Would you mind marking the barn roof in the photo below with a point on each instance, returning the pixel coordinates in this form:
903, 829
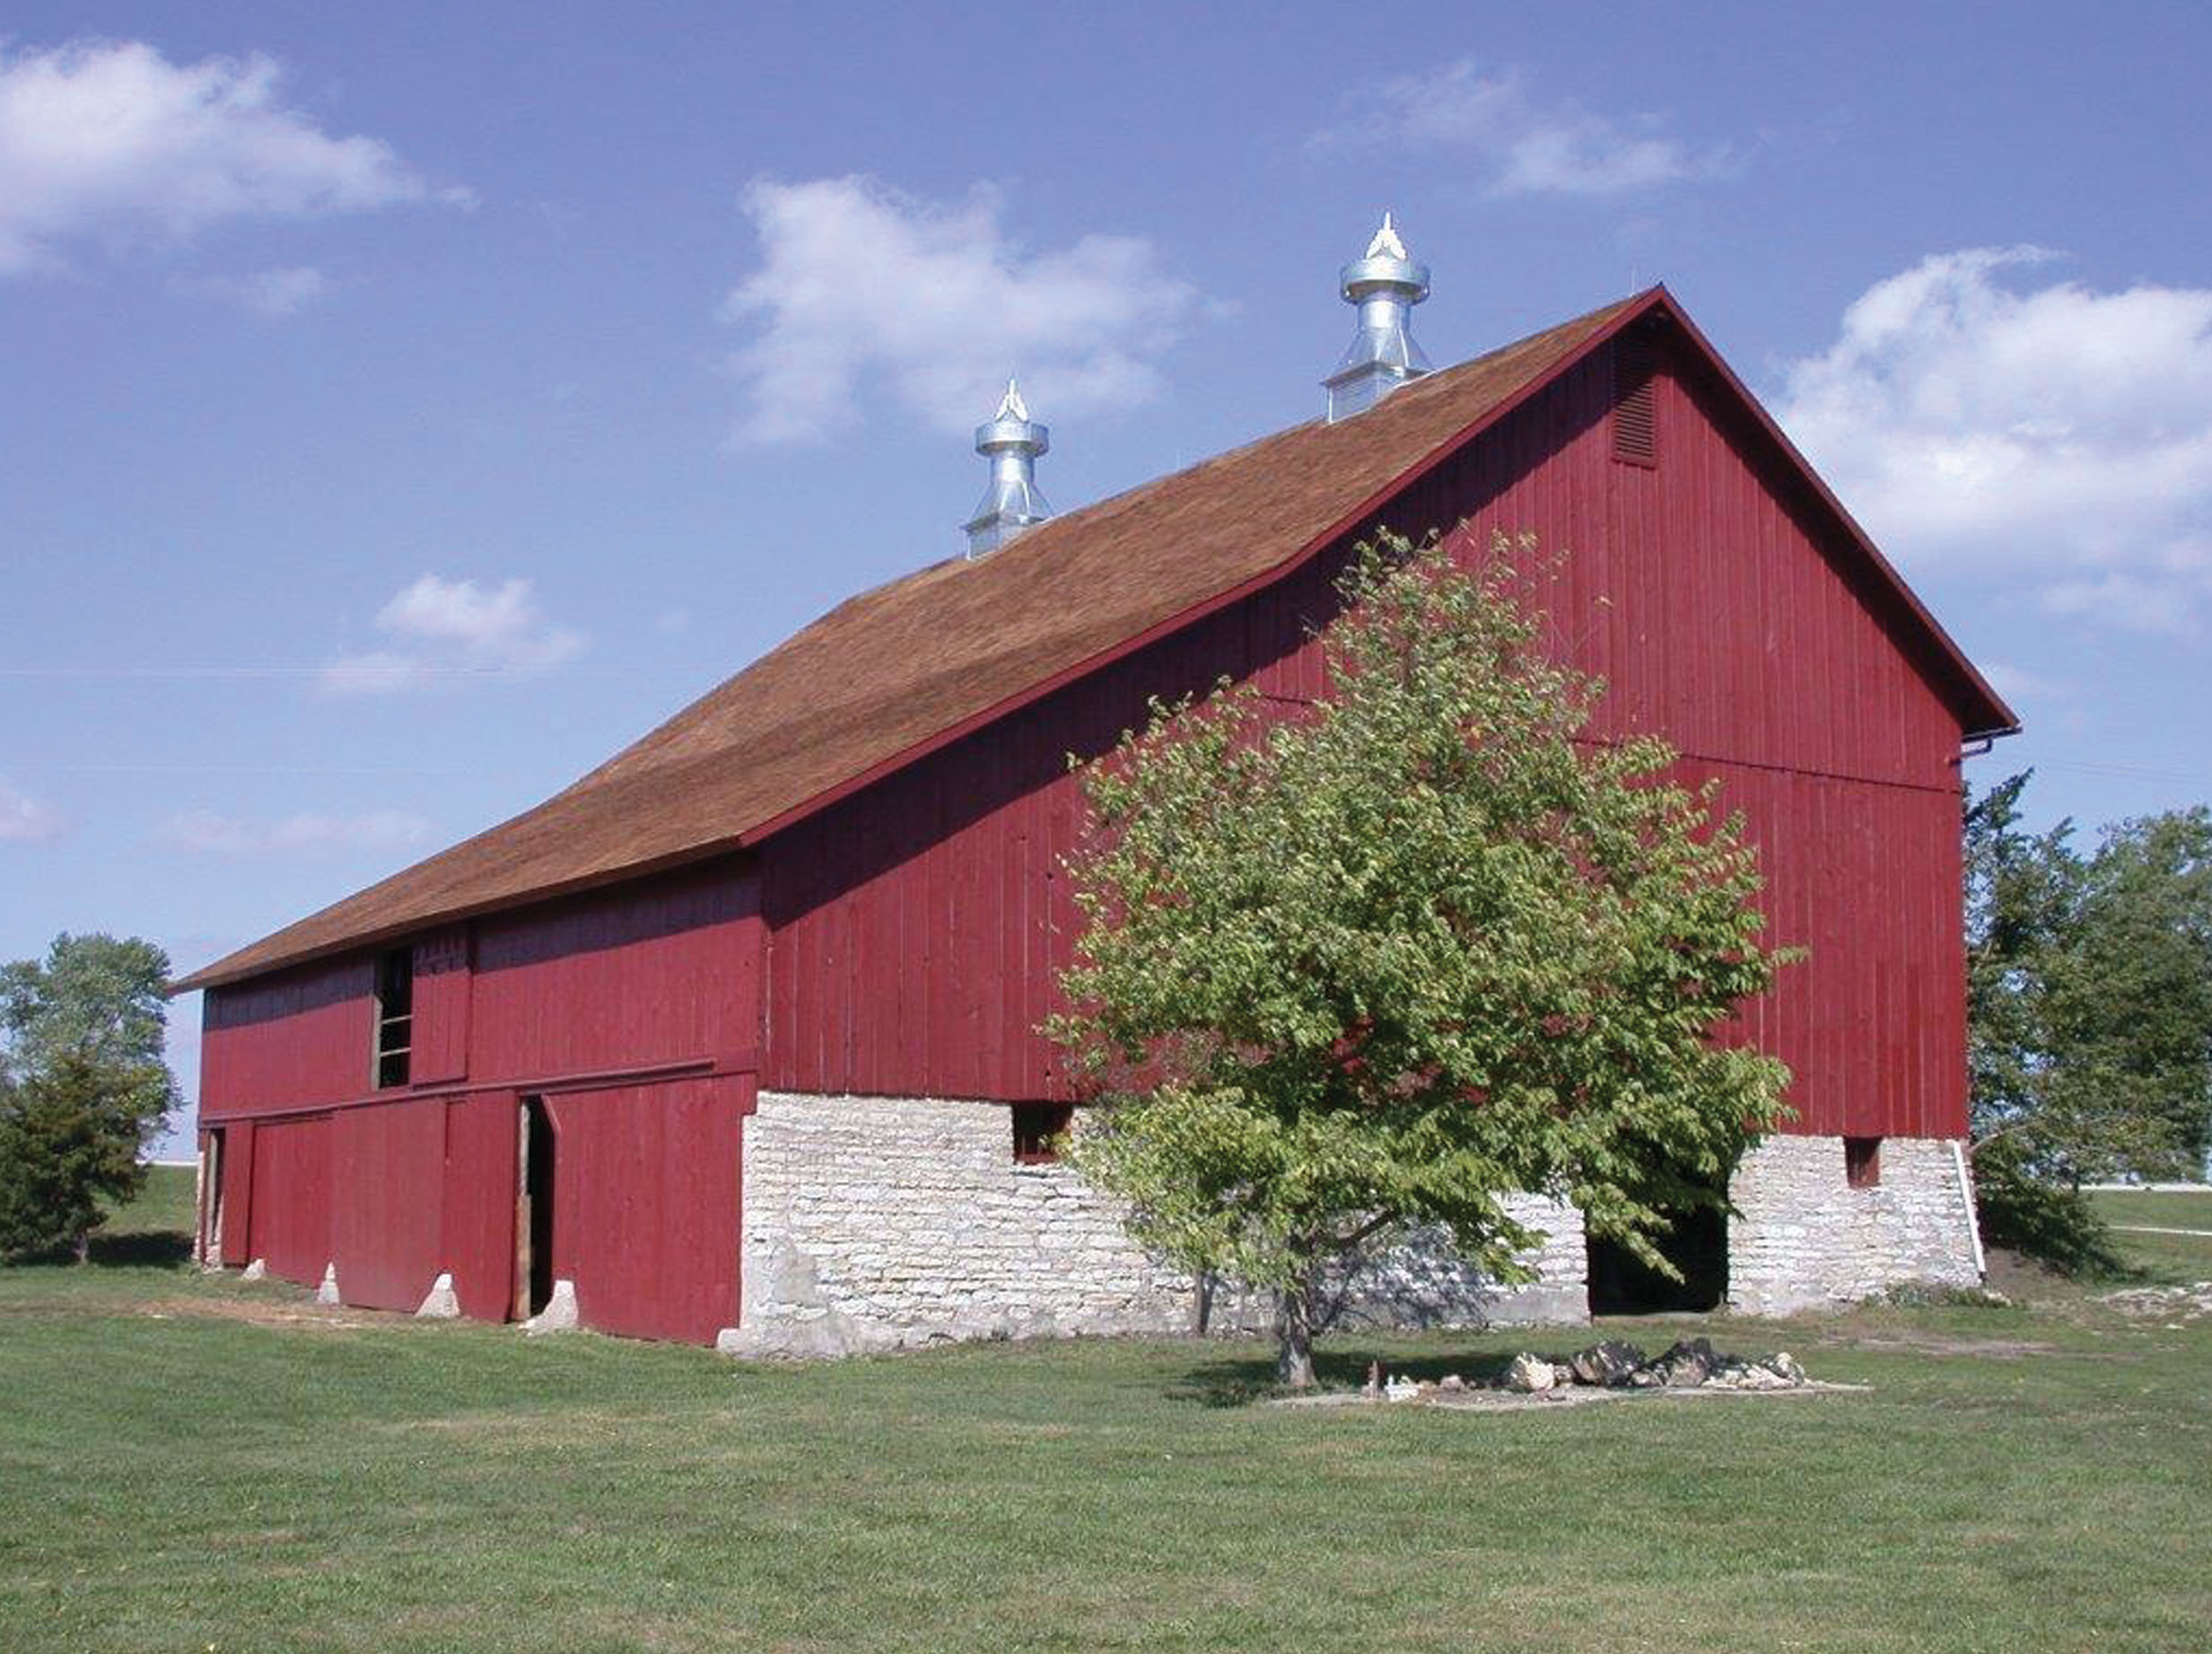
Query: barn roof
892, 674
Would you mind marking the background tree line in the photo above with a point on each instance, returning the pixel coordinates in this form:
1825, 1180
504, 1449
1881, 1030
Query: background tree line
2089, 997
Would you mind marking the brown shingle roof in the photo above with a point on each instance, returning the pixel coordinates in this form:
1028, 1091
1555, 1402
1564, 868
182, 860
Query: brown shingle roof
880, 676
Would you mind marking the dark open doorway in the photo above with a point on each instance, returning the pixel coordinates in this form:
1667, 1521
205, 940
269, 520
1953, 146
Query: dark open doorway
533, 1210
1623, 1284
211, 1198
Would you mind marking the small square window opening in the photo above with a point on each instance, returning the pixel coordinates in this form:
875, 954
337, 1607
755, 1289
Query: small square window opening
1038, 1129
1862, 1162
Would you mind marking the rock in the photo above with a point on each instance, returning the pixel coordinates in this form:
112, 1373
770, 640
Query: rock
1784, 1366
1688, 1363
328, 1292
1530, 1375
1606, 1365
558, 1316
259, 1270
1738, 1375
1400, 1389
1451, 1381
441, 1304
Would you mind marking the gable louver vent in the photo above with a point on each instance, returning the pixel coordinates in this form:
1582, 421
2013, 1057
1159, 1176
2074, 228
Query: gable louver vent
1635, 403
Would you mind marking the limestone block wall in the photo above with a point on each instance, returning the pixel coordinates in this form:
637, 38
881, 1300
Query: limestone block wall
1804, 1239
872, 1223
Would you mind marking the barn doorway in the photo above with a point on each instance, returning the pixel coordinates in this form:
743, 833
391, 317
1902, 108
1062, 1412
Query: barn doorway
1697, 1245
211, 1198
533, 1217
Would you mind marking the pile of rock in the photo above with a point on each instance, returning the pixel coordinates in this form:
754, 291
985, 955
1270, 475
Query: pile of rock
1691, 1364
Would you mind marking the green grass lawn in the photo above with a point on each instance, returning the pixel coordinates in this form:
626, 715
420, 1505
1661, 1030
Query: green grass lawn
190, 1463
2164, 1258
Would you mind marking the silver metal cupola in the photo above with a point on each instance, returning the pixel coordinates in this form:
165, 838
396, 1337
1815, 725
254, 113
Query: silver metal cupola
1011, 441
1386, 284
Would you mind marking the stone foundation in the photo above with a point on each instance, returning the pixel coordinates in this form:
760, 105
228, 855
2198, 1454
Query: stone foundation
875, 1222
1804, 1239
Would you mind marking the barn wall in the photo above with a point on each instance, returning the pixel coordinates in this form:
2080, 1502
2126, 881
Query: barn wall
288, 1219
398, 1186
658, 971
297, 1038
917, 928
387, 1199
645, 1205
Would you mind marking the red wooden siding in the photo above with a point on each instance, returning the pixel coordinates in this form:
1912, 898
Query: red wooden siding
297, 1039
915, 930
480, 1203
441, 1005
397, 1186
645, 1206
387, 1192
662, 970
289, 1213
237, 1176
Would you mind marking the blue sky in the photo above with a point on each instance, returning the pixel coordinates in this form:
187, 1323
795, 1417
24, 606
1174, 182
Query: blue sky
402, 407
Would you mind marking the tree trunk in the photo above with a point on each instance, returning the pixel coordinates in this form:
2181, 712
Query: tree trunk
82, 1246
1294, 1337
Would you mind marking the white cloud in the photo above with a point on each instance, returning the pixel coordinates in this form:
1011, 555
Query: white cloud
209, 832
450, 628
23, 818
2017, 684
1530, 148
111, 141
863, 287
2060, 438
267, 292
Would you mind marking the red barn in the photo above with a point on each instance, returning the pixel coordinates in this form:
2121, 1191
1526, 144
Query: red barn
737, 1036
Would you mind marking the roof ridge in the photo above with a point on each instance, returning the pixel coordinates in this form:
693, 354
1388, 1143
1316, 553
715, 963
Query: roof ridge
889, 673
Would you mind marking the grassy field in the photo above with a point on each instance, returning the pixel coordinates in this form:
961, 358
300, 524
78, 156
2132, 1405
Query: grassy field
2165, 1258
190, 1463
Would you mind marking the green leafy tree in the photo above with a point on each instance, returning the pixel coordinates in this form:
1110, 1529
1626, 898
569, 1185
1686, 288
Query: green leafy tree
2089, 1001
70, 1141
83, 1084
1387, 962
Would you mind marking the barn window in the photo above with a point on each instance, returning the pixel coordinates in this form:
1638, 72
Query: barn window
1635, 402
1862, 1162
395, 1015
1038, 1128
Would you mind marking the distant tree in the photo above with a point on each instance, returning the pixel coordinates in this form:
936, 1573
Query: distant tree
1387, 963
2089, 999
70, 1147
84, 1086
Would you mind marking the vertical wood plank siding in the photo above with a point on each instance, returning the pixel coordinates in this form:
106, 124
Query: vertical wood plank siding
645, 1206
399, 1185
915, 930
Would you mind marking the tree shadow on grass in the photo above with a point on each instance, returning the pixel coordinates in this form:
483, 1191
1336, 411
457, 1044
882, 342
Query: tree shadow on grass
1248, 1376
137, 1249
143, 1249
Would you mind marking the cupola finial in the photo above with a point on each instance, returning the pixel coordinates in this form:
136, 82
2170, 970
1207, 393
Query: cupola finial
1386, 284
1011, 441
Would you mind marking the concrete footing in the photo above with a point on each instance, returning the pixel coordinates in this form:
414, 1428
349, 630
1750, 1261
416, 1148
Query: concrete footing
441, 1304
558, 1316
328, 1292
